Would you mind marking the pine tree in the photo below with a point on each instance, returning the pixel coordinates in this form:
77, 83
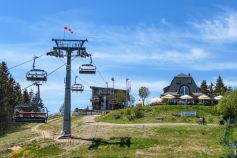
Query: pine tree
230, 89
204, 88
26, 97
220, 88
211, 90
10, 96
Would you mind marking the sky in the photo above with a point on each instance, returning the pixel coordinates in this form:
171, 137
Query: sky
147, 41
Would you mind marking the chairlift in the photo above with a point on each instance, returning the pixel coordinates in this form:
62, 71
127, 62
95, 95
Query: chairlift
32, 113
36, 74
76, 87
87, 68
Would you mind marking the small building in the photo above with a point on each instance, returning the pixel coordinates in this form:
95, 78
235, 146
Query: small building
102, 98
183, 84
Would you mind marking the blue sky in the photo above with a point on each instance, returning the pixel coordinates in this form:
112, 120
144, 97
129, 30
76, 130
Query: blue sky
147, 41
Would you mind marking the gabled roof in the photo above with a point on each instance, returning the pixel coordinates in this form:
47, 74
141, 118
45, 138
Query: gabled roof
182, 75
182, 80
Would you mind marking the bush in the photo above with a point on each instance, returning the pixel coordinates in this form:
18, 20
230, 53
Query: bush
139, 113
129, 114
116, 117
228, 105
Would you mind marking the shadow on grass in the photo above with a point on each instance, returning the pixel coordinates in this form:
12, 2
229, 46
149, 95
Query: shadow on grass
16, 128
96, 142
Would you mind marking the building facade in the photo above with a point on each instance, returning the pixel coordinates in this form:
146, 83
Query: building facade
183, 84
108, 98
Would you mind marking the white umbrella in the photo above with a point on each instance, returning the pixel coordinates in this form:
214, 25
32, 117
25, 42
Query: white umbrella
156, 100
168, 96
186, 97
204, 97
218, 97
138, 102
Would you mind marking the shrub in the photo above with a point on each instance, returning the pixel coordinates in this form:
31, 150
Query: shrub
228, 105
129, 114
139, 113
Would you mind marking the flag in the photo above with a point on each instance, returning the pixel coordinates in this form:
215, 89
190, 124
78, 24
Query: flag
128, 85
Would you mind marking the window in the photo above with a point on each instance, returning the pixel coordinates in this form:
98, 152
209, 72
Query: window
178, 82
190, 81
184, 90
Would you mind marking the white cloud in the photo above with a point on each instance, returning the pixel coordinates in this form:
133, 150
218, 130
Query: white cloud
189, 56
231, 83
220, 28
214, 66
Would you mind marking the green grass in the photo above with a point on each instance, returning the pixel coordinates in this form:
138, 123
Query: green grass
168, 113
17, 136
43, 148
183, 142
56, 125
163, 142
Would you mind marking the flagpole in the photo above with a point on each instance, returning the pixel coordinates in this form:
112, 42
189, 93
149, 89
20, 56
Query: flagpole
126, 104
127, 92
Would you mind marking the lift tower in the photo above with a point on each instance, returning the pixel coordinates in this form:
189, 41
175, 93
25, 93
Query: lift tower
68, 48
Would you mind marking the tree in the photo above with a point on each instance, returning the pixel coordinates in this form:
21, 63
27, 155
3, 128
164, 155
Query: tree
10, 96
229, 89
143, 93
220, 88
120, 97
227, 106
204, 87
26, 97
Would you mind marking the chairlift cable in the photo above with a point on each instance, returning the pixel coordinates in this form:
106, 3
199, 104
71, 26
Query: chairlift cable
27, 87
47, 76
55, 70
25, 62
75, 73
100, 73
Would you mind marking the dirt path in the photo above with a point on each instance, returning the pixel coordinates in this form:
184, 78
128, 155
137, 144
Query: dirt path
42, 134
91, 120
90, 126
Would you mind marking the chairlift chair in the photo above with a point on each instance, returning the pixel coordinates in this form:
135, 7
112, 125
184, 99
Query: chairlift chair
87, 69
77, 87
36, 75
27, 113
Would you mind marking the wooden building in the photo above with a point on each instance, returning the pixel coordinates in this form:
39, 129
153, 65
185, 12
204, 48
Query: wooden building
102, 98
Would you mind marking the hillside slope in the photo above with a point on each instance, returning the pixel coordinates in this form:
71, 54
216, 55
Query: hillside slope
92, 139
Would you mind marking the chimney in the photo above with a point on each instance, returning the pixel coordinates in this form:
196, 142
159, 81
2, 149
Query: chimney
189, 74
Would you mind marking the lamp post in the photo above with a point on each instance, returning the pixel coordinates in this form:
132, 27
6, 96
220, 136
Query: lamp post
113, 94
